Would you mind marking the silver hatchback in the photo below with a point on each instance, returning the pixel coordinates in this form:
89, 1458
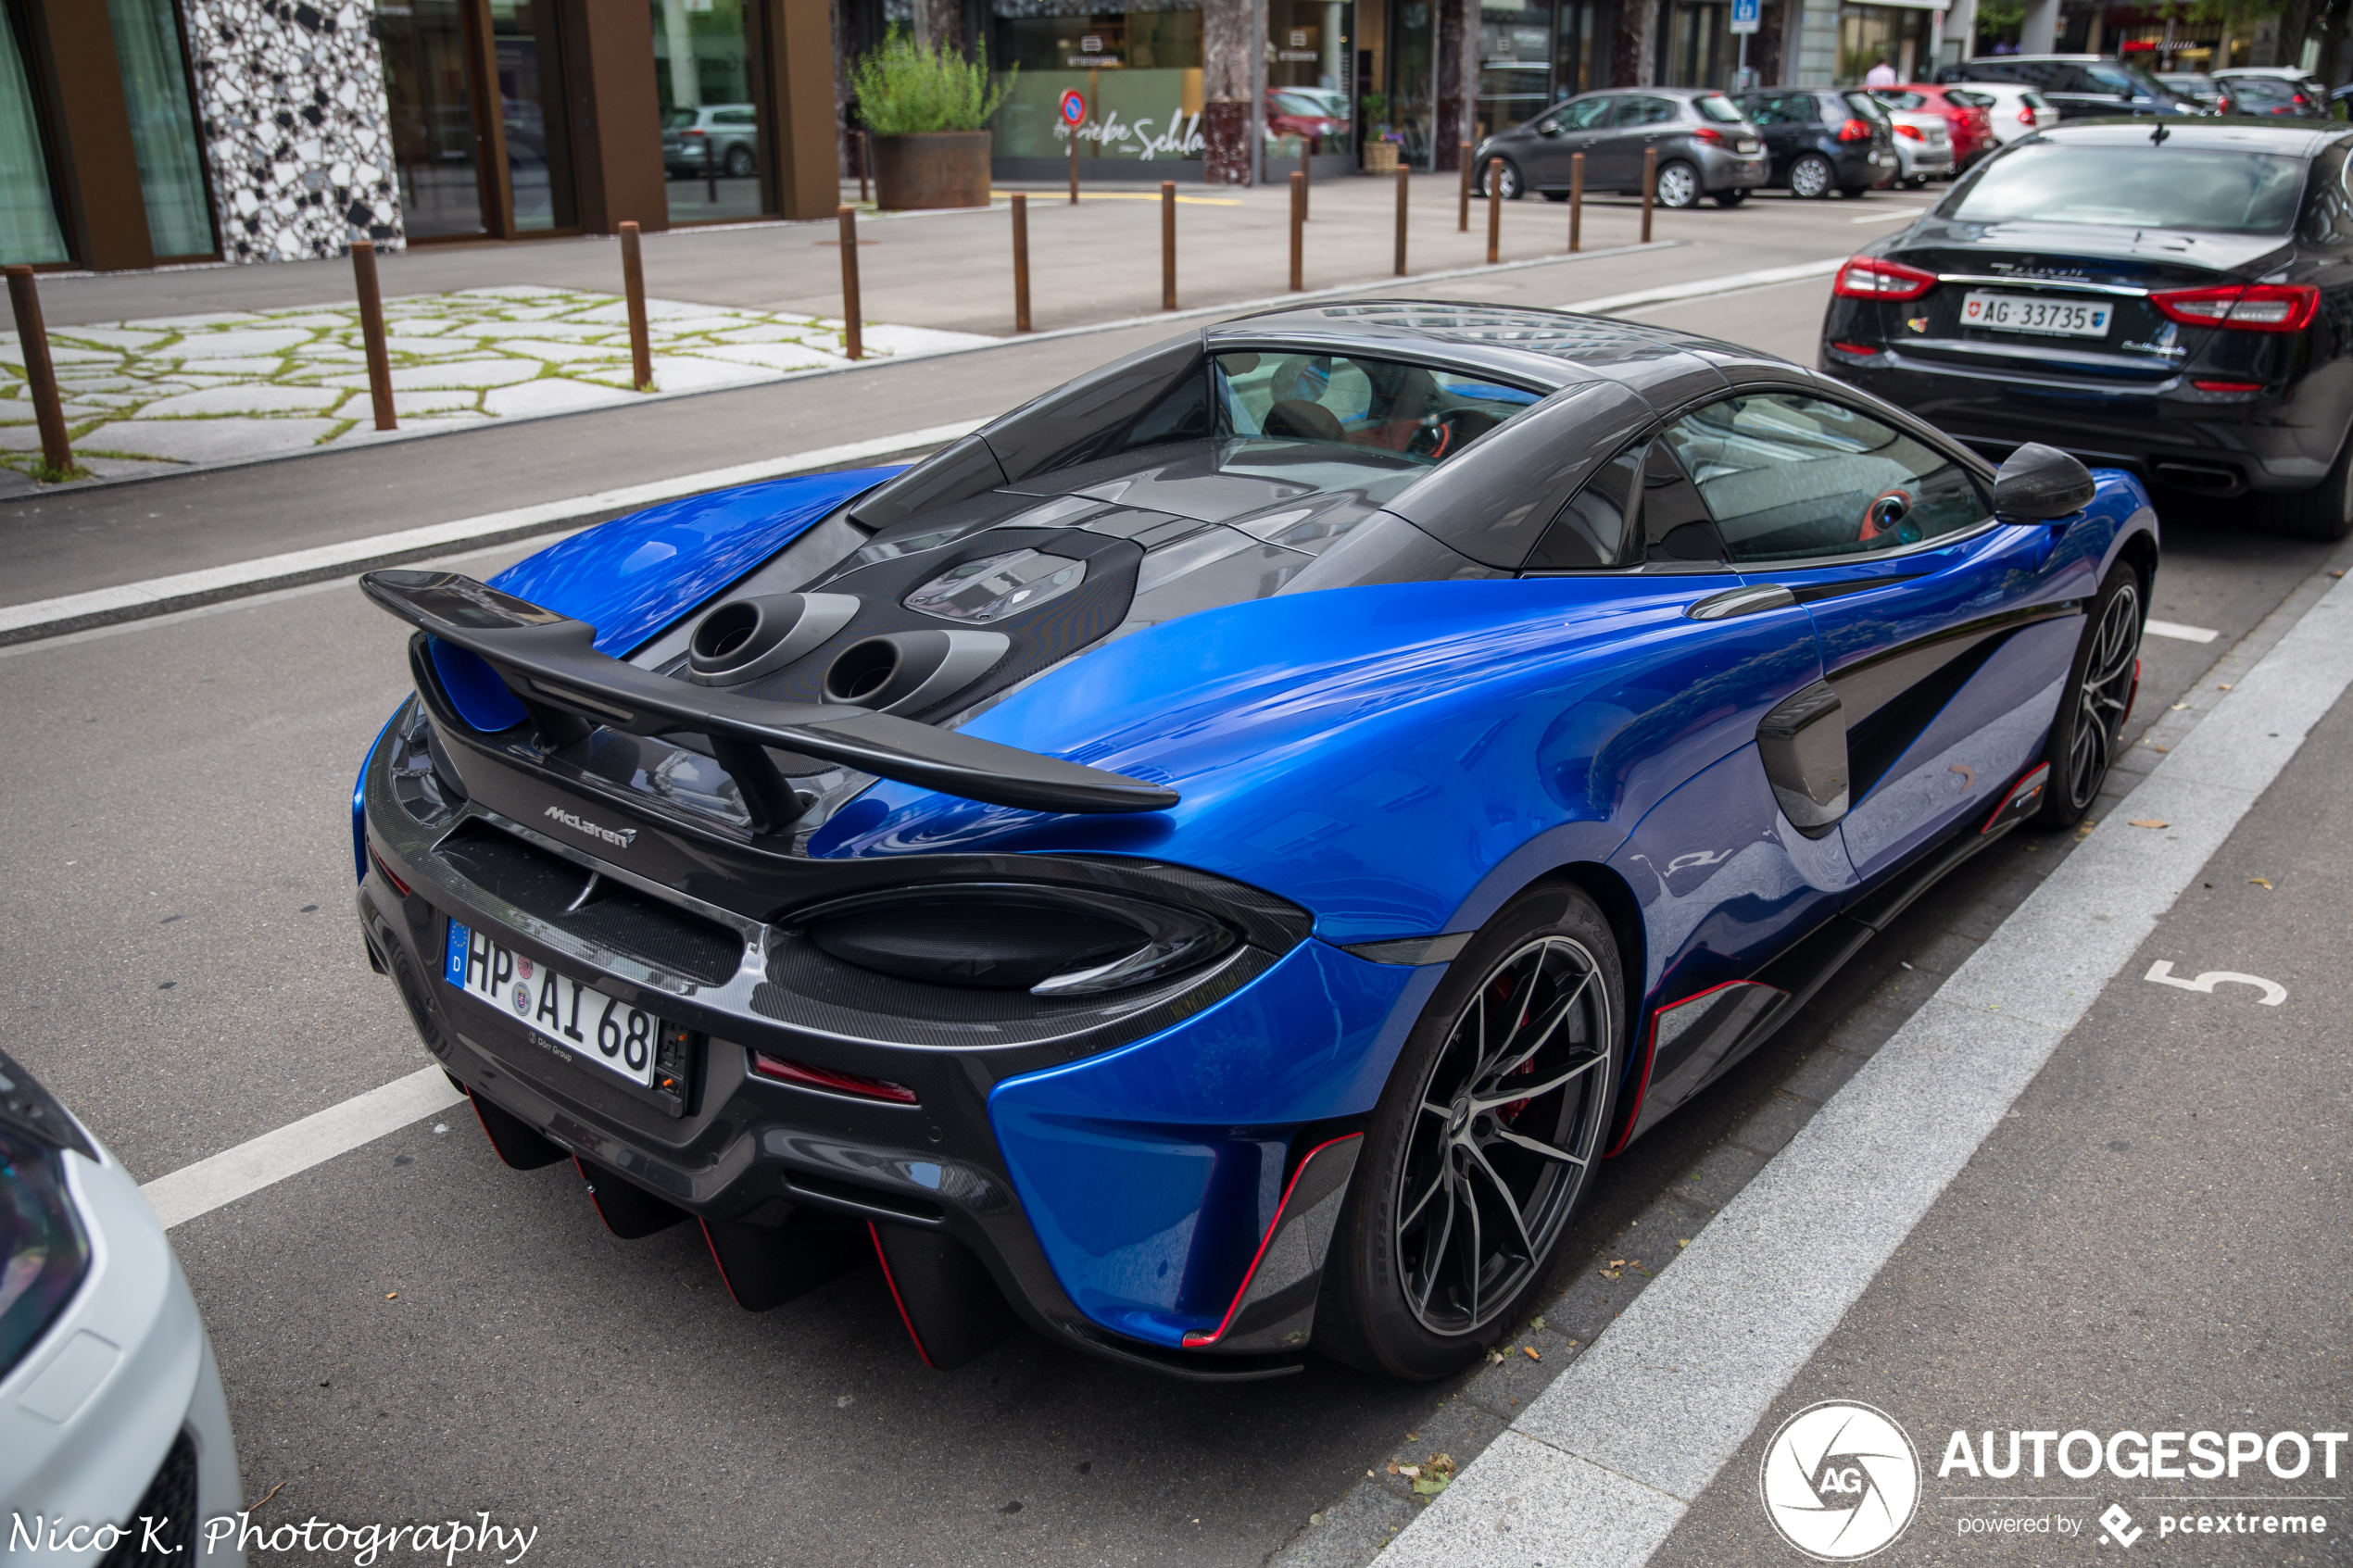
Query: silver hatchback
1704, 146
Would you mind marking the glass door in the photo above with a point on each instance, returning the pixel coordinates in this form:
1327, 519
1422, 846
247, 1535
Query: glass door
711, 110
163, 129
531, 99
479, 138
429, 84
1412, 76
30, 232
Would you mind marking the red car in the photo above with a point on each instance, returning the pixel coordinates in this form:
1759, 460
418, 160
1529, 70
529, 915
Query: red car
1965, 118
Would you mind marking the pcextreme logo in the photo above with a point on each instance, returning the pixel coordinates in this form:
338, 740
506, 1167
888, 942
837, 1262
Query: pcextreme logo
1840, 1481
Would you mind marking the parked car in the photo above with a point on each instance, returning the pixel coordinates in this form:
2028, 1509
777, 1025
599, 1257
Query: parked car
2190, 84
1704, 147
1304, 111
1821, 139
1968, 122
110, 1401
2179, 306
2273, 97
1208, 864
2013, 111
2295, 76
2079, 86
1923, 148
724, 136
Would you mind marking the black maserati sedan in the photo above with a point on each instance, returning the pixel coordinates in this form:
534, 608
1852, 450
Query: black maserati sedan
2176, 300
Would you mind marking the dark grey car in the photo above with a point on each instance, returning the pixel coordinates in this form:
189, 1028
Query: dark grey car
1706, 146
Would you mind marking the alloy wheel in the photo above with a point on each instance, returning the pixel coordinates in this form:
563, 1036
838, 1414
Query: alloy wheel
2105, 697
1677, 186
1509, 1124
1810, 179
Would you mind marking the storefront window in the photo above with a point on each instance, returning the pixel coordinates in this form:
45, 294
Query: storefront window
1308, 77
163, 127
531, 98
1139, 69
1515, 64
30, 232
1699, 45
1413, 77
710, 145
432, 120
1867, 34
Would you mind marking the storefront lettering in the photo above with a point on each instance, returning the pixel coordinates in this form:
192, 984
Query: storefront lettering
1182, 139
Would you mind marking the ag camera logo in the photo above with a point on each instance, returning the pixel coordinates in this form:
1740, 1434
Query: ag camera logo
1840, 1481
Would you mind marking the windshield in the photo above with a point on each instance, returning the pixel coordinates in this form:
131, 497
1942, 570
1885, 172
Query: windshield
1717, 107
1343, 401
2125, 79
2134, 186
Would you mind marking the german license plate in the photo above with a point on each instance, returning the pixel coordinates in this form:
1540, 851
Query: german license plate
2026, 313
606, 1029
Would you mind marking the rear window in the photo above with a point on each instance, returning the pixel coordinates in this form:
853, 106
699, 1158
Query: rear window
1968, 100
1343, 401
1903, 100
1717, 107
1865, 105
2134, 186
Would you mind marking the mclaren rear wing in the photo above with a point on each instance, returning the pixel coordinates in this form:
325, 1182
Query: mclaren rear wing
550, 665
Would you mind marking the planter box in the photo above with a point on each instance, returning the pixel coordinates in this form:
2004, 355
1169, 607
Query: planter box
939, 169
1380, 157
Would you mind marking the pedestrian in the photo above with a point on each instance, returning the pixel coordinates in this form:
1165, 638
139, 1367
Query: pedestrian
1880, 75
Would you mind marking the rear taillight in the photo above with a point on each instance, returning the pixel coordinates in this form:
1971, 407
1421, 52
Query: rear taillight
1870, 277
2026, 117
2249, 307
1713, 138
1909, 133
2228, 385
1854, 131
830, 1080
398, 885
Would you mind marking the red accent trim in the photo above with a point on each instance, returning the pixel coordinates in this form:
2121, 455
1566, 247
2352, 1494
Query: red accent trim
1196, 1341
895, 1301
716, 1263
2036, 777
2131, 697
589, 1182
484, 1124
1863, 349
398, 885
2228, 385
1650, 1055
832, 1082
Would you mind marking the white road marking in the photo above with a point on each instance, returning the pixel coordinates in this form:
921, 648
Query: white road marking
2179, 633
463, 530
1702, 288
1601, 1467
289, 1150
2162, 972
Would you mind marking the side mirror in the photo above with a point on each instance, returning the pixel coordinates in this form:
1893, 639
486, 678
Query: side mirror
2039, 483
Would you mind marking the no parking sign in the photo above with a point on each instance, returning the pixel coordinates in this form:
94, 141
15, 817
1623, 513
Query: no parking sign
1074, 108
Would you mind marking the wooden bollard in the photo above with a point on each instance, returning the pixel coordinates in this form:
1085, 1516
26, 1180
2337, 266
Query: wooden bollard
711, 169
853, 342
1307, 171
1298, 231
1074, 165
1461, 218
1495, 212
40, 374
865, 165
1021, 262
1650, 188
371, 330
1403, 175
1576, 202
1168, 244
633, 288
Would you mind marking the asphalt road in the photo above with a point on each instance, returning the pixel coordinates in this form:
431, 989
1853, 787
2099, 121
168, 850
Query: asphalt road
413, 1332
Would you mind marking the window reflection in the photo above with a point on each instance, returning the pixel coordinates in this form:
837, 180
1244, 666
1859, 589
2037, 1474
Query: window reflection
711, 145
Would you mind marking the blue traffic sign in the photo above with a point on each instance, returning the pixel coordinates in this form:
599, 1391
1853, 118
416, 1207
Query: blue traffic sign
1744, 15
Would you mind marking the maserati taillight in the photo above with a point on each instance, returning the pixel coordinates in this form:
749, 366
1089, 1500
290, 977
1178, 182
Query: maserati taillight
2251, 307
1871, 277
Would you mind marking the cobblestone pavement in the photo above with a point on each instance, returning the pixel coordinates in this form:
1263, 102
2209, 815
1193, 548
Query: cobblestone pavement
166, 393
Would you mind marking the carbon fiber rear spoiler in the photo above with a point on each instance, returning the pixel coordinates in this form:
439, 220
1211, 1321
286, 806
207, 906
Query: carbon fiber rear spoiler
549, 663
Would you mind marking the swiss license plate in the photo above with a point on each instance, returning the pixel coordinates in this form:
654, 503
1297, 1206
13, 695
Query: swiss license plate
606, 1029
2027, 313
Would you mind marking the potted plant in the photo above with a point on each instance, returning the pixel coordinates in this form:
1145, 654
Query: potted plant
1381, 149
926, 113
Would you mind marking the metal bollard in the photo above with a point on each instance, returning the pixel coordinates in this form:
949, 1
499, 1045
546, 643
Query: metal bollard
1074, 165
1021, 262
633, 288
1461, 219
710, 171
40, 374
1297, 231
1404, 174
1168, 244
1494, 213
372, 329
852, 325
1650, 188
1576, 202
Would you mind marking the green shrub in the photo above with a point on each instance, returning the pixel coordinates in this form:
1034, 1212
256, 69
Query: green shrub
906, 90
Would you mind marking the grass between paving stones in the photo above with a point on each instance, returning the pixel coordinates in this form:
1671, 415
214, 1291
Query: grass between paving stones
456, 359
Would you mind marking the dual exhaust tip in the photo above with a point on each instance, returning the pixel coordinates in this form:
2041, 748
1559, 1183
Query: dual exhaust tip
895, 673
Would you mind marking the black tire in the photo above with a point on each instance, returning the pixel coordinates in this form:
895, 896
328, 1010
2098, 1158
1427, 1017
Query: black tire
1553, 196
1678, 186
739, 162
2325, 511
1730, 198
1811, 178
1401, 1296
1513, 187
1855, 192
2100, 683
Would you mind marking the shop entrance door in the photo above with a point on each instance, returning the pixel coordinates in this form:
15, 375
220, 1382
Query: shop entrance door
476, 91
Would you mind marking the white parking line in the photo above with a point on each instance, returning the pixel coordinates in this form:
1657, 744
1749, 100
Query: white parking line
1701, 288
294, 1148
1600, 1466
2179, 633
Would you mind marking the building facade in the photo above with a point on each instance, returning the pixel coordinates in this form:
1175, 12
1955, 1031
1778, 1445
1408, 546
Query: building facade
272, 130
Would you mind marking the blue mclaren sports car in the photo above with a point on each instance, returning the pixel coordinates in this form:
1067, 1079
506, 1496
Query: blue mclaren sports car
1208, 865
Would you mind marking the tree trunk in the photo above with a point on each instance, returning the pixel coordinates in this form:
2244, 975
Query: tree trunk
1226, 77
1636, 59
